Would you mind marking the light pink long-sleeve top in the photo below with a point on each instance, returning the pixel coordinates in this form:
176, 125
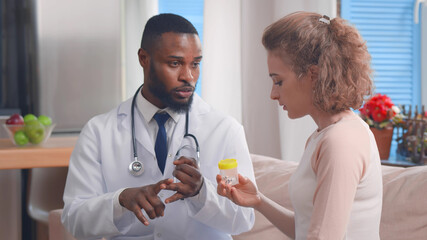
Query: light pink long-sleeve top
336, 190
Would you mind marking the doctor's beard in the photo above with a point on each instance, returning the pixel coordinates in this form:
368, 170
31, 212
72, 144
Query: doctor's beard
158, 89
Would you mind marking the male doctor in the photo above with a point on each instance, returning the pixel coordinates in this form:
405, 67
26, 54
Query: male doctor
105, 197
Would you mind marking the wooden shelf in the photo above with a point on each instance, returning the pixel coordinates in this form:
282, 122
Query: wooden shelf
55, 152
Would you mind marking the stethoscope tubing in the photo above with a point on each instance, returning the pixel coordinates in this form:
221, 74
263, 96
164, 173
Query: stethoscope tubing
132, 113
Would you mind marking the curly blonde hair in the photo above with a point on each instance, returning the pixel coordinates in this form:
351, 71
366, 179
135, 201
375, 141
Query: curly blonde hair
336, 48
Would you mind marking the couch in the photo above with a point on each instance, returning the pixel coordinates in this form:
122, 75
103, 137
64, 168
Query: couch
404, 215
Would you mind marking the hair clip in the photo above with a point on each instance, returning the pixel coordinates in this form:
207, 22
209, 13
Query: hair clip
325, 19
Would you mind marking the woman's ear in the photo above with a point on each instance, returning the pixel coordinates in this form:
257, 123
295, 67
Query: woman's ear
314, 72
144, 58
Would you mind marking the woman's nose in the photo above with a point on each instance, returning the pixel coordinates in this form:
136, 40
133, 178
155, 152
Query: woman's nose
273, 94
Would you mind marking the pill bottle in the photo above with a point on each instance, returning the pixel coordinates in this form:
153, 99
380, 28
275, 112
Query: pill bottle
228, 171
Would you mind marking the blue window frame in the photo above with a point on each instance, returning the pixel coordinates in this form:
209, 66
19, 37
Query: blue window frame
394, 42
192, 10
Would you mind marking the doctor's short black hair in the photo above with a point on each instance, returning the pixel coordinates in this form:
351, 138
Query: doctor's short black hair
163, 23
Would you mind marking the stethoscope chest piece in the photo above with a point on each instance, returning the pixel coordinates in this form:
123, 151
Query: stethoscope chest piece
136, 168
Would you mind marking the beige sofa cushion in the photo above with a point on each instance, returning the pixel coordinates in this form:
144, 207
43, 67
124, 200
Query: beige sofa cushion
404, 214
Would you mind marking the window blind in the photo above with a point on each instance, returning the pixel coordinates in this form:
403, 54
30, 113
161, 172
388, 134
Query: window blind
393, 40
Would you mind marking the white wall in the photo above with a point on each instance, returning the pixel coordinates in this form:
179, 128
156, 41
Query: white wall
134, 15
222, 77
78, 60
260, 113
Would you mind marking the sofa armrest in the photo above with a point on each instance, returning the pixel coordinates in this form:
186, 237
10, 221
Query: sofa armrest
272, 178
56, 230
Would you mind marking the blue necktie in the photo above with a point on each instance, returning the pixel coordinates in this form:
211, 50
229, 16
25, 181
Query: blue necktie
161, 146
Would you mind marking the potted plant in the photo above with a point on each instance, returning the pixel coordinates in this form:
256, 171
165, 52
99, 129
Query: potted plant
381, 115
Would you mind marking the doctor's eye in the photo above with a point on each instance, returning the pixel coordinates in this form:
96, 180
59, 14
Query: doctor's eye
174, 63
196, 64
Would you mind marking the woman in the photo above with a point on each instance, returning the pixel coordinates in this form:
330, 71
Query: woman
320, 67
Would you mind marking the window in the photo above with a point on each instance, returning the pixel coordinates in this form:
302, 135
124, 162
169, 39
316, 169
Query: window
192, 10
394, 42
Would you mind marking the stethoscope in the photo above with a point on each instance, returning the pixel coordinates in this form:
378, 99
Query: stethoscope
136, 167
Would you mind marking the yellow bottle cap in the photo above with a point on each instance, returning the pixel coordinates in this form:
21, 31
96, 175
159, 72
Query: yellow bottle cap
227, 163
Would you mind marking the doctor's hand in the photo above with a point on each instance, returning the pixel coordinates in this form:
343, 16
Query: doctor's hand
186, 171
135, 199
244, 193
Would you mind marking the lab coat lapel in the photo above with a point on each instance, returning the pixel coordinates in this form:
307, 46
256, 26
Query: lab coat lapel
176, 138
198, 109
141, 133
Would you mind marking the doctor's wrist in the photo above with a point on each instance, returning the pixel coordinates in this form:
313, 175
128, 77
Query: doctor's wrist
200, 187
198, 200
122, 198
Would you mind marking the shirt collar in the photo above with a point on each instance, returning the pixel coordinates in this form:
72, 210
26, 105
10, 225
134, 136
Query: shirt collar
147, 109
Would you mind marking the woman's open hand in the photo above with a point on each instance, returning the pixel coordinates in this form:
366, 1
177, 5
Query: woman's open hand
244, 193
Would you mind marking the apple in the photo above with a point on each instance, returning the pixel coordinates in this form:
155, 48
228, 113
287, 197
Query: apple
29, 117
45, 120
20, 138
17, 122
15, 119
34, 131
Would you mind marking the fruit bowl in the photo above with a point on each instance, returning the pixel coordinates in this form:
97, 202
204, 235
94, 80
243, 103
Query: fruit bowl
28, 134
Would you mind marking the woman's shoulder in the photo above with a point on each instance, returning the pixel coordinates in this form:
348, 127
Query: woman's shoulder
346, 145
351, 128
348, 137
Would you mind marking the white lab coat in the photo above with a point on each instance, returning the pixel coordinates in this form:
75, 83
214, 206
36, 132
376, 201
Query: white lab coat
98, 172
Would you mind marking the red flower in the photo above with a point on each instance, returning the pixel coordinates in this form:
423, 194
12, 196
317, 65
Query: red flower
379, 114
378, 109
